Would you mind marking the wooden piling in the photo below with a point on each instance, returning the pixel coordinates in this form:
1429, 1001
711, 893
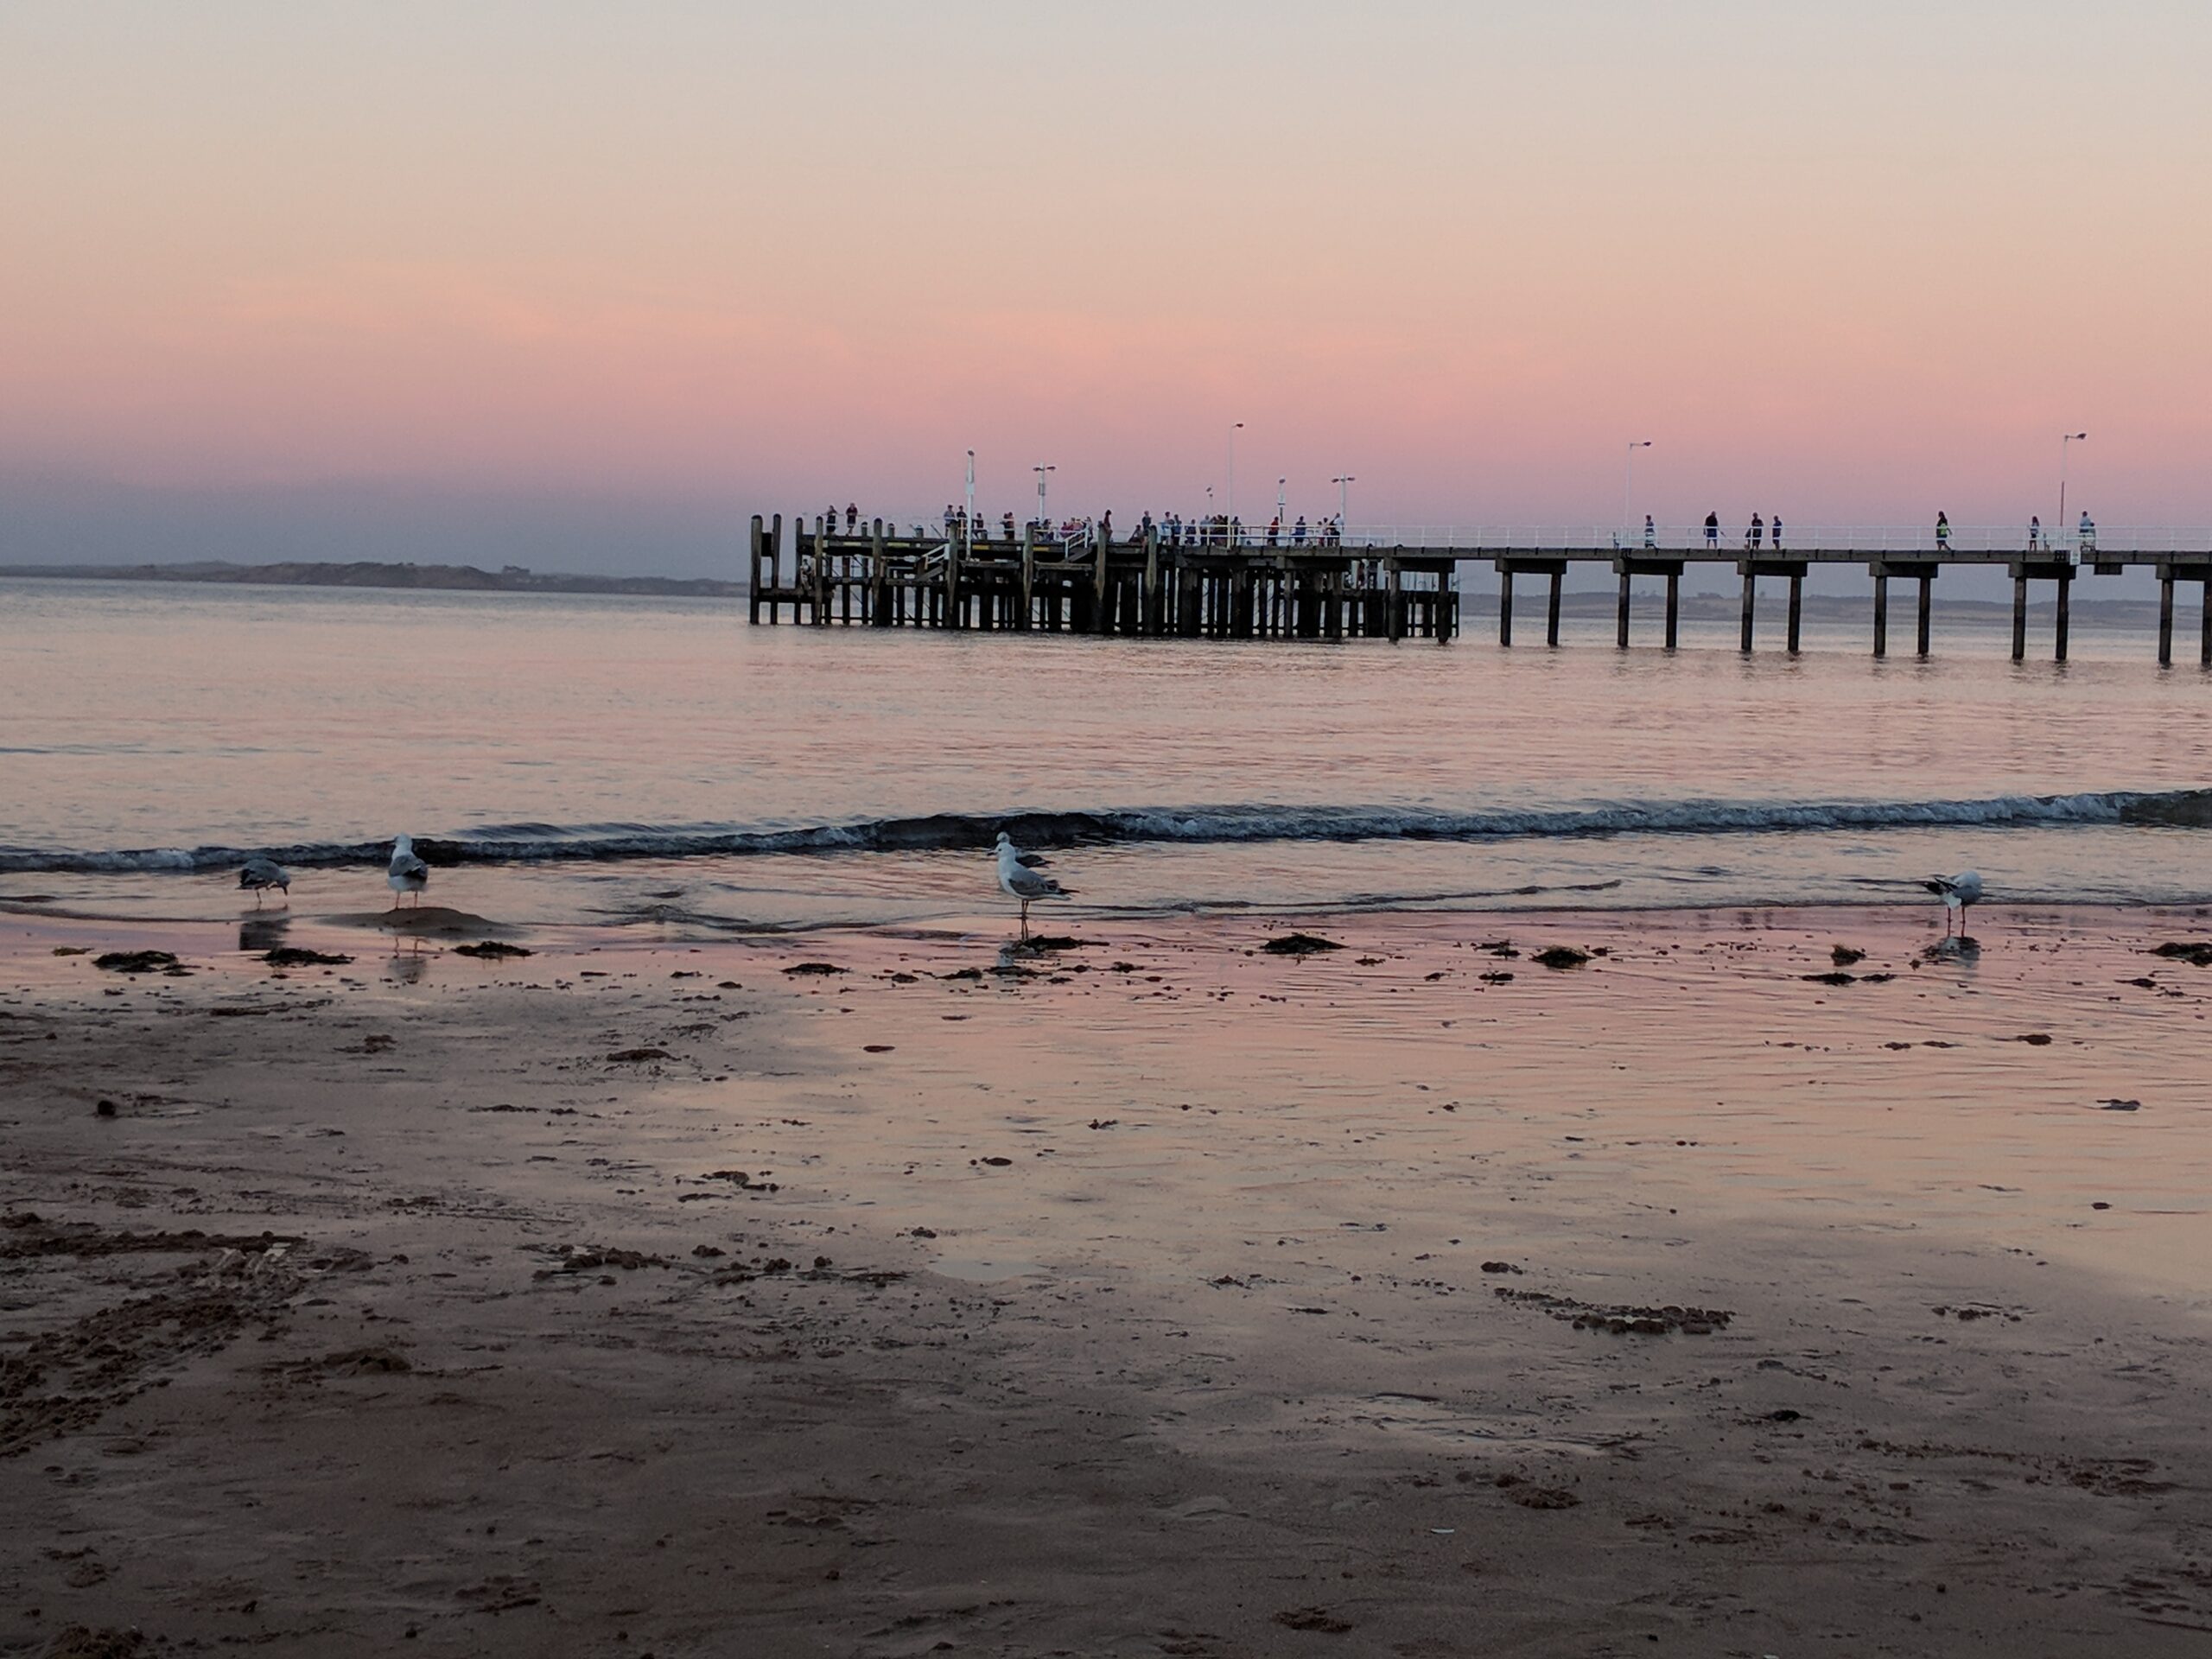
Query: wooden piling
2166, 618
1150, 625
1751, 609
2065, 613
1620, 627
1551, 613
2205, 643
1927, 607
2019, 615
753, 586
1796, 610
1673, 608
821, 584
1505, 607
1881, 613
1098, 579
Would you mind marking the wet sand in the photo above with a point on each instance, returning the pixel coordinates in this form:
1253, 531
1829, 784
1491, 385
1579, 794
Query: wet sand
1154, 1295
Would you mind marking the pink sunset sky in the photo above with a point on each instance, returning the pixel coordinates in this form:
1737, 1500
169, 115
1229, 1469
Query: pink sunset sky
595, 282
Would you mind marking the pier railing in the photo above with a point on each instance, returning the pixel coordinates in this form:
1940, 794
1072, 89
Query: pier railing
989, 539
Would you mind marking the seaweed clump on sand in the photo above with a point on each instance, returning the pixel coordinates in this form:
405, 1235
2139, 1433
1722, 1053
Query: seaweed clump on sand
293, 956
139, 962
2197, 953
1561, 956
490, 950
1299, 944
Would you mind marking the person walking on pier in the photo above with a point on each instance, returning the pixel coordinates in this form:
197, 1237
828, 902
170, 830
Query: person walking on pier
1712, 531
1774, 533
1943, 533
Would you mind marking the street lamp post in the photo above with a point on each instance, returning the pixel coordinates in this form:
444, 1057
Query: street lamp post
1043, 473
968, 537
2066, 441
1235, 428
1283, 499
1628, 475
1344, 495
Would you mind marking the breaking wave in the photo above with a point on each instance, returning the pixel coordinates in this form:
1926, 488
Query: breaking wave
1191, 825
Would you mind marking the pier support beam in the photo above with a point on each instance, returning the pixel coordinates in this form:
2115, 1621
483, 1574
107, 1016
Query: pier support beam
1927, 606
1751, 570
1625, 567
1881, 613
1101, 620
1447, 603
2166, 618
1396, 600
1673, 608
2019, 617
752, 587
1149, 623
2065, 616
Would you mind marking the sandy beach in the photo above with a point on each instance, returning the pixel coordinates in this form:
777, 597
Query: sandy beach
885, 1293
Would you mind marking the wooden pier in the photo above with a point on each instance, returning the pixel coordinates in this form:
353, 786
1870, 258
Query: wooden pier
1092, 584
1196, 587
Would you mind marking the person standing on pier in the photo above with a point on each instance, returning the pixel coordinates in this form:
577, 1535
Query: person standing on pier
852, 518
2034, 532
1942, 532
1775, 536
1755, 534
1297, 531
2088, 540
1713, 530
1650, 533
1275, 530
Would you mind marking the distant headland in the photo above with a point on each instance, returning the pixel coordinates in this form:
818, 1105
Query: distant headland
457, 578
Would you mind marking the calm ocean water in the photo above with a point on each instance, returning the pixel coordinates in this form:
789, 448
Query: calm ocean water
621, 760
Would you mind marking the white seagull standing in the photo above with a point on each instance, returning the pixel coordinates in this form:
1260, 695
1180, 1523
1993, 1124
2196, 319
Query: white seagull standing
261, 874
1021, 881
1957, 892
408, 873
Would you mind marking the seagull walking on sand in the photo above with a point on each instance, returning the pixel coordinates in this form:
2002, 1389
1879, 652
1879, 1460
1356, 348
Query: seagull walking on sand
261, 874
407, 873
1957, 892
1018, 877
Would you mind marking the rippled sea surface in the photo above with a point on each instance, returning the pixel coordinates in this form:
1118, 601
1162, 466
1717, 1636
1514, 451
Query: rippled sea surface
595, 759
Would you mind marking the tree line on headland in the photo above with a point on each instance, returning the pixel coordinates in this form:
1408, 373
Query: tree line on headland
464, 578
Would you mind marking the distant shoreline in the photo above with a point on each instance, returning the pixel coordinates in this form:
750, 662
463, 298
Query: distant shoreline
438, 578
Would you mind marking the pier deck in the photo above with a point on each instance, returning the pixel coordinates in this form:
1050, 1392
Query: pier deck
1254, 589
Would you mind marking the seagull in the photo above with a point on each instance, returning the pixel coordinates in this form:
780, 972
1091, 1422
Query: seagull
408, 873
1021, 880
261, 874
1957, 893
